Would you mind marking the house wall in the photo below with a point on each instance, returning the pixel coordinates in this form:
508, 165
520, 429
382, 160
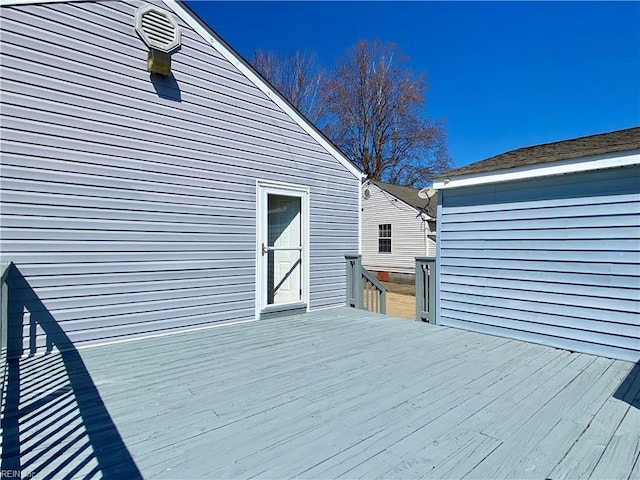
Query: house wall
408, 233
553, 260
129, 202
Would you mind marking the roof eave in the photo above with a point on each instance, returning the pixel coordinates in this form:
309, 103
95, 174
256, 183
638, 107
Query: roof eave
420, 211
583, 164
371, 182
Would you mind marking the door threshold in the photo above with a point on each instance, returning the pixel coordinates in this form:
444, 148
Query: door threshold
283, 310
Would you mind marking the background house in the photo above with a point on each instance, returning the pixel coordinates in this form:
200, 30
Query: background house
543, 244
135, 204
397, 226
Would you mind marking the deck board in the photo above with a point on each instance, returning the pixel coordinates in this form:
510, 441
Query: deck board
600, 423
339, 393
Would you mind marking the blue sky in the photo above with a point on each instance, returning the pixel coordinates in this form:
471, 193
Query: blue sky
504, 75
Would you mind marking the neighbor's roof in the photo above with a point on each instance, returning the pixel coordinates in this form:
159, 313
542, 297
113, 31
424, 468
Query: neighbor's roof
618, 141
409, 196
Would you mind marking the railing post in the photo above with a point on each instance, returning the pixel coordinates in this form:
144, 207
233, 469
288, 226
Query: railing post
419, 290
432, 291
426, 289
354, 281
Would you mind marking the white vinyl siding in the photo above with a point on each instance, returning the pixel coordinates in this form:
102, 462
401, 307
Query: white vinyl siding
128, 203
409, 233
552, 260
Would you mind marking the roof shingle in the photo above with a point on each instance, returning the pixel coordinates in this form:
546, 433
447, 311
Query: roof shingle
618, 141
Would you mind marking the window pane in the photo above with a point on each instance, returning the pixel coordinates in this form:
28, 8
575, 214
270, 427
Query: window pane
284, 221
384, 238
284, 280
384, 230
284, 265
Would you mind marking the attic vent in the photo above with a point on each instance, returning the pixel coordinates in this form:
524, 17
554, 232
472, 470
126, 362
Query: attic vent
157, 29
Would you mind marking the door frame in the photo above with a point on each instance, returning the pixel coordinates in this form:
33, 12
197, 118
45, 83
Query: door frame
263, 189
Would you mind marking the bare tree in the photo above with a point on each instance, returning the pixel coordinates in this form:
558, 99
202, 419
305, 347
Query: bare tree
297, 77
375, 115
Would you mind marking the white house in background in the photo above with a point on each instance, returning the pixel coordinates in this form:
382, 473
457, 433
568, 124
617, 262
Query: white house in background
542, 244
397, 226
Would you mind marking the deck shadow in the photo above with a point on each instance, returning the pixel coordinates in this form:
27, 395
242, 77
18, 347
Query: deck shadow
629, 390
54, 422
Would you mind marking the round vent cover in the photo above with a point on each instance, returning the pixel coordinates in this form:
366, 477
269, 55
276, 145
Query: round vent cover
157, 29
366, 194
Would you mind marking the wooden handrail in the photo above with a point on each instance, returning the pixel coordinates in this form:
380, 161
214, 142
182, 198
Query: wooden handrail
367, 274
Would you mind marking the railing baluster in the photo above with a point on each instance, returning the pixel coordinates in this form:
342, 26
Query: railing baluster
377, 297
368, 294
364, 291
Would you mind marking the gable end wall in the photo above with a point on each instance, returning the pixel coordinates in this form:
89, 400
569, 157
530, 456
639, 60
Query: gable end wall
128, 202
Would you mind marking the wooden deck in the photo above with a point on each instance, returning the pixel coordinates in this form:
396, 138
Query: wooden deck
334, 394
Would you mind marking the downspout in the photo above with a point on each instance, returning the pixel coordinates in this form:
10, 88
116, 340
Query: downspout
438, 255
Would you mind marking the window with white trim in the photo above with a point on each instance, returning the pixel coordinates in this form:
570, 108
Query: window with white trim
384, 238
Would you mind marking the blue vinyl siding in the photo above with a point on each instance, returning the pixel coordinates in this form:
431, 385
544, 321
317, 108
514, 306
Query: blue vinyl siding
554, 260
128, 203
